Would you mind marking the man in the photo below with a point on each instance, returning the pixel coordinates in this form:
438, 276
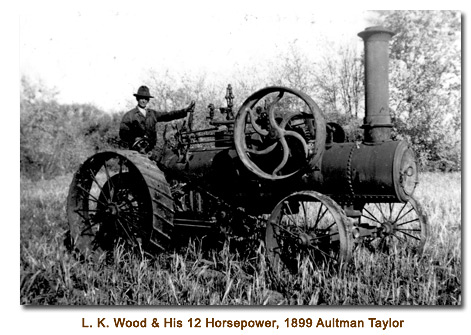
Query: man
138, 126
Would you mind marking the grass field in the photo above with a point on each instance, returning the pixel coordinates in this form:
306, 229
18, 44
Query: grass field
50, 275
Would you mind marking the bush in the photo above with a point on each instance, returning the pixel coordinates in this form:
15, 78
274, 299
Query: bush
56, 138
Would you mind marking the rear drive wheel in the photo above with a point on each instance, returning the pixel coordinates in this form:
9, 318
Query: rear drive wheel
119, 198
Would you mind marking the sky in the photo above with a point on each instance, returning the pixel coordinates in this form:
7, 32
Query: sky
101, 55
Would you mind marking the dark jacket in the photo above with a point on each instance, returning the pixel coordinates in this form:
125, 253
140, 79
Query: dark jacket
134, 124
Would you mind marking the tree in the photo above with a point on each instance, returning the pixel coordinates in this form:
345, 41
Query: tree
425, 83
55, 138
339, 79
297, 70
335, 81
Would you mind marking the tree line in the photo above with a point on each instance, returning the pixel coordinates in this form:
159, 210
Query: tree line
425, 96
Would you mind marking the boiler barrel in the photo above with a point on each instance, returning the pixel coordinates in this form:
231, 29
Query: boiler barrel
385, 171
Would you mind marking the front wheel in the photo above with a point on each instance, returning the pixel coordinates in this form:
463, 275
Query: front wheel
307, 230
395, 226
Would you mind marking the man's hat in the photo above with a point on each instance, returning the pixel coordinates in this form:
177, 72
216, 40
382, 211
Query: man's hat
143, 92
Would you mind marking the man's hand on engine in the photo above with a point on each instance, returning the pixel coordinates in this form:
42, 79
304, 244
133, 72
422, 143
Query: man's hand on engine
191, 107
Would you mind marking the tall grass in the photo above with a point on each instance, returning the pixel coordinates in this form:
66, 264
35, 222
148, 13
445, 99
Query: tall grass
195, 276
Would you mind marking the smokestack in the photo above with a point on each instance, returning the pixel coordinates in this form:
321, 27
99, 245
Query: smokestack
377, 122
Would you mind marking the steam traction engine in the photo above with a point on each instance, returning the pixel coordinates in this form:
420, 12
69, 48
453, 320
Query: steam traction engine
277, 161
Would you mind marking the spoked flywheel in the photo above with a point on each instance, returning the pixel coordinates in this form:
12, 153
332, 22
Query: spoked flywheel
119, 198
395, 226
306, 230
279, 132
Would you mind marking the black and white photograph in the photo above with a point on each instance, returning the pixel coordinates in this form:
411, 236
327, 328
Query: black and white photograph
245, 158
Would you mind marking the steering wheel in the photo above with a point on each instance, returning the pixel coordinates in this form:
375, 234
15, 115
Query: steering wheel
278, 132
141, 145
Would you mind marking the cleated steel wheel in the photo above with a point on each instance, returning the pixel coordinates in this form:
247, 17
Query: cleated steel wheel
395, 226
305, 230
119, 198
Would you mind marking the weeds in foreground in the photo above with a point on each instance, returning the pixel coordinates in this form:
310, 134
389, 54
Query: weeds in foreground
194, 276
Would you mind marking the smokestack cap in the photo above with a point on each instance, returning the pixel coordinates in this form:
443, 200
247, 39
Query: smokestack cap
378, 31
